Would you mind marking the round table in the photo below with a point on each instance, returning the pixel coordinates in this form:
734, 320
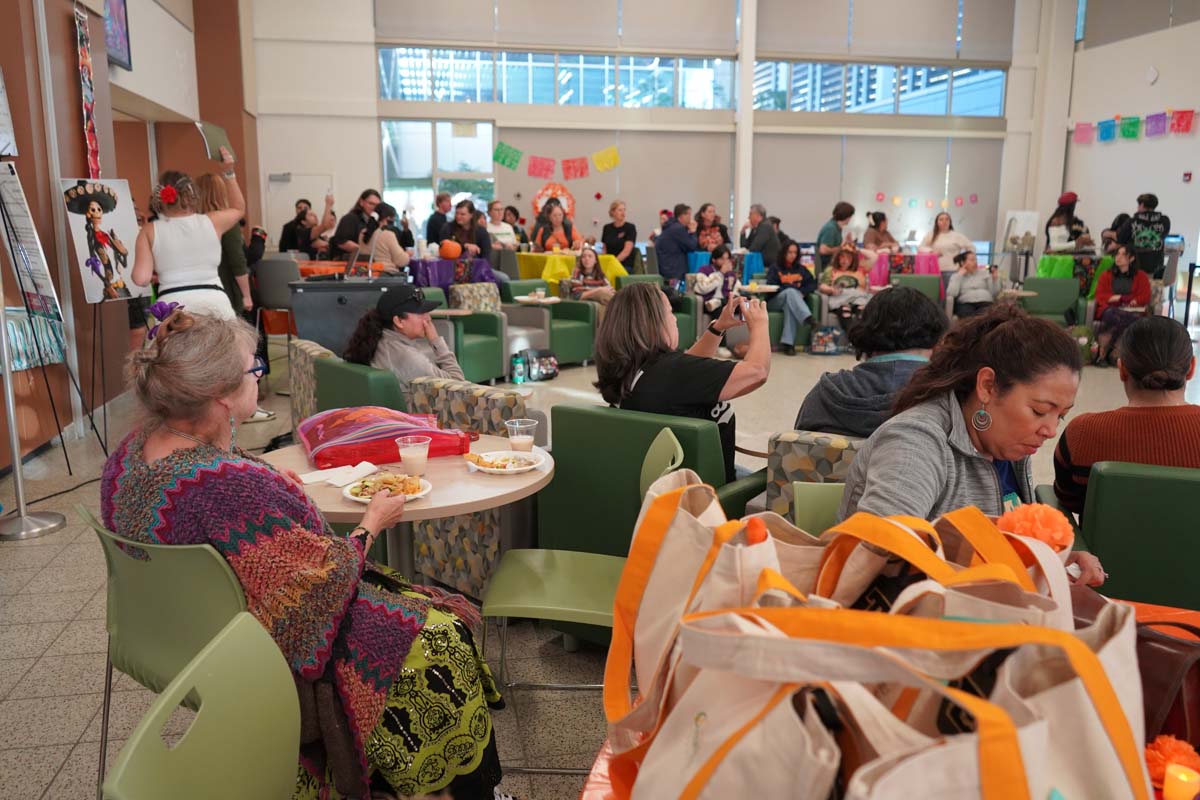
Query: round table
457, 489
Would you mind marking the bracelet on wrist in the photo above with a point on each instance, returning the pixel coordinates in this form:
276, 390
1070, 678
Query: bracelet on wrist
230, 175
361, 532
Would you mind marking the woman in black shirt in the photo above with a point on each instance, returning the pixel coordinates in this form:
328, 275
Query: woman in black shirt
619, 237
638, 367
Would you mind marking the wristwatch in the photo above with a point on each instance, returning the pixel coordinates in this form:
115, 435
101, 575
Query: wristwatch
713, 330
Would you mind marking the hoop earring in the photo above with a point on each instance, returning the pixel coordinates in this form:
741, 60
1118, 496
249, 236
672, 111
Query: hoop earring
981, 420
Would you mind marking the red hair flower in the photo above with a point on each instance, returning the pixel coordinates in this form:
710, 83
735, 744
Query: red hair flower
168, 195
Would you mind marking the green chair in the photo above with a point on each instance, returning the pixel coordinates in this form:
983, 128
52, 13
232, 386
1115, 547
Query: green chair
573, 331
639, 264
928, 285
1055, 297
243, 743
508, 262
687, 316
665, 454
163, 609
1137, 521
626, 280
565, 586
512, 289
815, 505
651, 260
478, 341
341, 384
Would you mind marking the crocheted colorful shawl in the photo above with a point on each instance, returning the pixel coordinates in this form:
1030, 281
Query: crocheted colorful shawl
302, 582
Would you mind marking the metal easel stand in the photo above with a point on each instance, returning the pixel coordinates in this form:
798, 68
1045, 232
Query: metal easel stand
24, 525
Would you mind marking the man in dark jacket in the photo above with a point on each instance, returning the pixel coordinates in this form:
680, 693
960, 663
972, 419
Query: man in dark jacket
678, 238
759, 236
895, 336
1145, 232
287, 237
438, 219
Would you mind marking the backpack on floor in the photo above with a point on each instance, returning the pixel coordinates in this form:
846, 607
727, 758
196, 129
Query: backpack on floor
828, 340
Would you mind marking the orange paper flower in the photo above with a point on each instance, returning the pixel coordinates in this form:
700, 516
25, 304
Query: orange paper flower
1166, 750
1039, 521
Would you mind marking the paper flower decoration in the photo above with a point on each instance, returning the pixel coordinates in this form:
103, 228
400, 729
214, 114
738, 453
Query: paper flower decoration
1039, 521
929, 204
958, 201
516, 195
1166, 750
896, 200
599, 196
168, 194
880, 197
521, 221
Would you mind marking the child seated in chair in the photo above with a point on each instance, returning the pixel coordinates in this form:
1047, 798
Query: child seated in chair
588, 282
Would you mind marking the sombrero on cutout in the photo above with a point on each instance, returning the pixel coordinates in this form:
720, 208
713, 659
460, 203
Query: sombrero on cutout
83, 193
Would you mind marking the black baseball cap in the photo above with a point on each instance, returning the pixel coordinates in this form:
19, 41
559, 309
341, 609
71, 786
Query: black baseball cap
404, 299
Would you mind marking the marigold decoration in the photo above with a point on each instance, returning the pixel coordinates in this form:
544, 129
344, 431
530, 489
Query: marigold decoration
168, 194
599, 196
1166, 750
554, 190
1039, 521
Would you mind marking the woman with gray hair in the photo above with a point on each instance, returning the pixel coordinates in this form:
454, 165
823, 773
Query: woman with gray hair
369, 652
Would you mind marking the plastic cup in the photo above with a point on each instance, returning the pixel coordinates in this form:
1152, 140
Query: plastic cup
414, 452
539, 293
520, 433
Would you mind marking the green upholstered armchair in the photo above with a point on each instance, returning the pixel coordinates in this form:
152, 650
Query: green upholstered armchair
478, 341
572, 322
688, 318
341, 384
807, 456
592, 503
928, 285
1055, 296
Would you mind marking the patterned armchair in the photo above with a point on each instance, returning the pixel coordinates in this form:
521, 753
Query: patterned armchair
301, 355
805, 456
462, 551
475, 296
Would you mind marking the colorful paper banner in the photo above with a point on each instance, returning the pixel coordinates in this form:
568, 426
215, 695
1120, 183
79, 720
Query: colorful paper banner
83, 44
541, 167
1131, 127
1181, 120
958, 202
974, 199
1085, 132
574, 168
880, 197
1156, 124
606, 159
506, 155
1106, 130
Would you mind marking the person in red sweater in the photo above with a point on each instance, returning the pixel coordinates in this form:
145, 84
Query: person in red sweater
1157, 427
1118, 291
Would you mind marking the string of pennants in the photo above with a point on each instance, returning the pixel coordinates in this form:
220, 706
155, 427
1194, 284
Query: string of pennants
912, 202
541, 167
1177, 121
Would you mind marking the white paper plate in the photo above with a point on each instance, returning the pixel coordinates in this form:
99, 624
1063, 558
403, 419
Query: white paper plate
426, 488
536, 459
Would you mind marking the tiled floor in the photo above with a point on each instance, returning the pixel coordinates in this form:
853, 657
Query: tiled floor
52, 606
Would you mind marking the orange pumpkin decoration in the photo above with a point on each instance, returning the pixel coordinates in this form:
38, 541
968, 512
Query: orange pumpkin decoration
450, 249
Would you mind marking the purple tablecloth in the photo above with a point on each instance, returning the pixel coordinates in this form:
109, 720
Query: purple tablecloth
440, 272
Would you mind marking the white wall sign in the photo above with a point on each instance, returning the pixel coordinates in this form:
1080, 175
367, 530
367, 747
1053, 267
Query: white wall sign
8, 137
23, 246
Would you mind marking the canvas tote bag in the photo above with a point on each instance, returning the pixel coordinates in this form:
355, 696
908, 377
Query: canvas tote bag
1066, 715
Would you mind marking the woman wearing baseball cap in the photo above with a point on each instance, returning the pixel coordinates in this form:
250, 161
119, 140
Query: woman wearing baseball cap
398, 335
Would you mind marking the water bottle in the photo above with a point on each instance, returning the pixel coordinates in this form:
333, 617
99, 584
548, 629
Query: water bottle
518, 369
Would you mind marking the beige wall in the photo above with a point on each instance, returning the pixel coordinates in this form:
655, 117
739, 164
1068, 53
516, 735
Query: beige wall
164, 62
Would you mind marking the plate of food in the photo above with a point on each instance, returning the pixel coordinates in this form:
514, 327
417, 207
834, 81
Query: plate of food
505, 462
362, 491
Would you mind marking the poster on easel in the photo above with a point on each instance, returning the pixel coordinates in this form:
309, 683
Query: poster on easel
8, 136
103, 225
24, 248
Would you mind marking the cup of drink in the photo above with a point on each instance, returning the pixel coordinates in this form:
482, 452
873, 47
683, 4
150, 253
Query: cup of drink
520, 433
539, 293
414, 452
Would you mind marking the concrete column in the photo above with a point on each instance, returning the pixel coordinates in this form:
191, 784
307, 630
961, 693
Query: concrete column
743, 138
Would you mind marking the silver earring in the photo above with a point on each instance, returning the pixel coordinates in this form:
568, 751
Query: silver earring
981, 420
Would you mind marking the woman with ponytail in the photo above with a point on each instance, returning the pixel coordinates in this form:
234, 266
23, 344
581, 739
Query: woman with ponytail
964, 428
1158, 426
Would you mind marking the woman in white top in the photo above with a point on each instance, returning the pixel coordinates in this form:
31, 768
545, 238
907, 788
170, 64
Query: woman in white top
946, 242
183, 248
382, 244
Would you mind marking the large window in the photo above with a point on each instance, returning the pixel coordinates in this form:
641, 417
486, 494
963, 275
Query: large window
585, 80
647, 82
404, 73
526, 77
706, 83
421, 158
462, 76
878, 89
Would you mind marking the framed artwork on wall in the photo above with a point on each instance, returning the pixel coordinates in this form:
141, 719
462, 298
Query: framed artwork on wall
116, 33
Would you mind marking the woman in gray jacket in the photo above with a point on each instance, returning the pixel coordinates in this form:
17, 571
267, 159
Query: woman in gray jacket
973, 289
965, 426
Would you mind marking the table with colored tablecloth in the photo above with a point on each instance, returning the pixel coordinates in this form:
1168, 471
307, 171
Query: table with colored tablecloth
1078, 266
554, 267
439, 272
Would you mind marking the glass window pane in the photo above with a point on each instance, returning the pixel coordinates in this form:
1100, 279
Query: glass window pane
871, 88
771, 85
923, 90
706, 83
407, 149
404, 73
526, 77
647, 82
462, 76
464, 147
480, 191
817, 87
586, 80
413, 198
978, 93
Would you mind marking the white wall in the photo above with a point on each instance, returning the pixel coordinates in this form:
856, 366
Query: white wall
163, 50
1109, 176
317, 99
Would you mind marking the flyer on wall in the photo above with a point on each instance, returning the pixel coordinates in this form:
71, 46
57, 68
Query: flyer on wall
8, 137
103, 225
23, 246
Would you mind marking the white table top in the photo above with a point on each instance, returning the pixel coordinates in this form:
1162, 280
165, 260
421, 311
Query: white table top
530, 300
456, 488
762, 288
